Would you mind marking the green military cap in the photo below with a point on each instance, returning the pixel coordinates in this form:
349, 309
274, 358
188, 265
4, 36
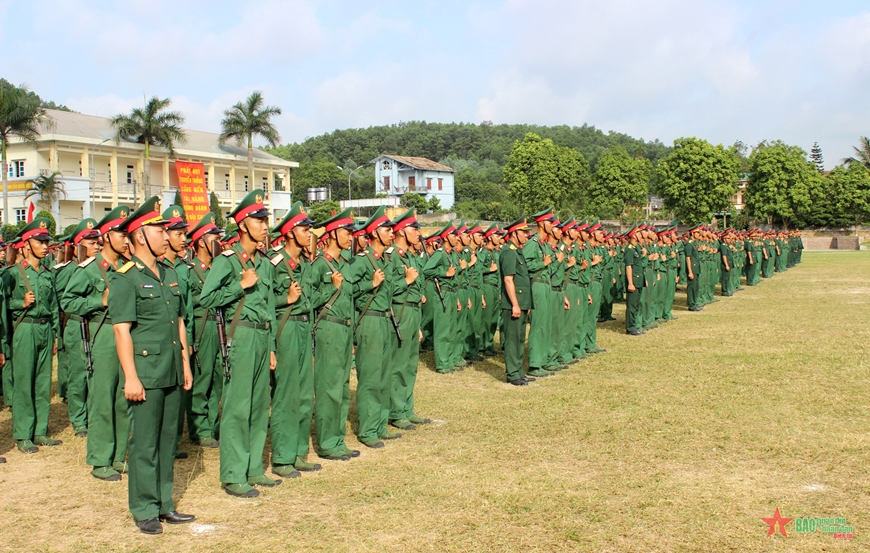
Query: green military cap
406, 219
544, 215
205, 226
250, 206
377, 220
113, 219
175, 217
294, 218
36, 229
65, 240
493, 228
434, 237
594, 224
567, 223
447, 231
146, 214
86, 229
342, 220
519, 224
694, 228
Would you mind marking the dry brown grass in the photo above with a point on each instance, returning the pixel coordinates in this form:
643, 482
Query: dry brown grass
680, 440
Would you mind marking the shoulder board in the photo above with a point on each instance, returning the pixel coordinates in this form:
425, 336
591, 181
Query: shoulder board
277, 259
513, 247
127, 266
229, 253
87, 262
61, 265
361, 254
631, 246
389, 250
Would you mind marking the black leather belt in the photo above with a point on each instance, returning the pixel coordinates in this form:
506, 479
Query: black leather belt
31, 320
257, 326
410, 304
303, 318
336, 320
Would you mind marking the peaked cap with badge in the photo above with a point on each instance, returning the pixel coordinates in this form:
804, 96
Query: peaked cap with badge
146, 214
294, 218
36, 229
175, 217
113, 219
250, 206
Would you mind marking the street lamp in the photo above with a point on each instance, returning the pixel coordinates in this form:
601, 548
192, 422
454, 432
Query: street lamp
93, 175
350, 175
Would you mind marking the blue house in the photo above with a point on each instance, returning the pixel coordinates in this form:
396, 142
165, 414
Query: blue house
396, 175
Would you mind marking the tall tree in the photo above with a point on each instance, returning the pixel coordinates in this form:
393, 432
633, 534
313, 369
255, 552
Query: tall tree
47, 189
21, 117
619, 182
849, 191
216, 209
817, 158
781, 182
697, 179
539, 173
247, 119
862, 153
151, 125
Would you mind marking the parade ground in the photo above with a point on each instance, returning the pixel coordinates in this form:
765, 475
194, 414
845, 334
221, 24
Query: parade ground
682, 439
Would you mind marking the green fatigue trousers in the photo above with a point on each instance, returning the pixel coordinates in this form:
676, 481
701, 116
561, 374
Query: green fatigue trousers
374, 362
460, 328
203, 406
570, 323
151, 475
670, 290
692, 287
77, 374
647, 297
474, 323
245, 417
514, 343
558, 335
292, 393
427, 315
633, 310
490, 317
108, 420
444, 332
62, 369
540, 324
405, 360
580, 343
592, 315
31, 344
332, 356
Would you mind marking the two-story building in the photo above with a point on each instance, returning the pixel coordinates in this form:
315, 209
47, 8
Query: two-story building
397, 175
99, 173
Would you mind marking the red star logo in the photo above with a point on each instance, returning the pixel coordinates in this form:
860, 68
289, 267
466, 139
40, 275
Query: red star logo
779, 520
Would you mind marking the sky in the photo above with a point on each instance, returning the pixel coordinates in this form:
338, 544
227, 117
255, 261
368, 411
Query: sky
721, 70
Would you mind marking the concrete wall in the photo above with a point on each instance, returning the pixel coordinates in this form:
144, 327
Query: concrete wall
831, 242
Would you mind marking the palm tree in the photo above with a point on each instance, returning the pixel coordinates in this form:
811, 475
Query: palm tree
21, 116
862, 154
47, 189
244, 120
151, 125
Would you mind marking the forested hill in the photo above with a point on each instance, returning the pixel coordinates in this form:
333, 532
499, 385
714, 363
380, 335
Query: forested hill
465, 141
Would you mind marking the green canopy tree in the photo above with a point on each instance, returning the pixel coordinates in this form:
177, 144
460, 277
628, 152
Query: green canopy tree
620, 182
412, 199
151, 125
697, 179
47, 189
540, 173
321, 211
21, 117
862, 154
216, 209
247, 119
780, 184
52, 225
849, 191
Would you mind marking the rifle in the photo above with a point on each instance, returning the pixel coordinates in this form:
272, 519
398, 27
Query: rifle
435, 280
395, 325
86, 344
222, 338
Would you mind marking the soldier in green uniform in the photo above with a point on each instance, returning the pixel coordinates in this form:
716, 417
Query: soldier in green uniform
671, 277
429, 245
62, 269
406, 307
560, 306
85, 239
537, 256
293, 387
12, 253
240, 283
442, 266
86, 296
489, 257
726, 257
596, 235
144, 295
583, 275
34, 311
203, 408
693, 268
517, 301
634, 283
476, 299
332, 305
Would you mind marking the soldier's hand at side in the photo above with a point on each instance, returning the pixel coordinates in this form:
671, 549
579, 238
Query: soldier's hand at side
337, 279
188, 377
469, 303
423, 299
631, 287
378, 278
588, 299
106, 297
2, 359
451, 271
410, 275
678, 279
515, 312
458, 305
483, 302
249, 278
273, 361
294, 293
567, 303
493, 267
659, 276
54, 349
29, 298
133, 390
419, 335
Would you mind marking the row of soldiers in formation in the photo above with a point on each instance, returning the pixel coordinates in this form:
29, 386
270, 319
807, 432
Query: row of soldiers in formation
249, 328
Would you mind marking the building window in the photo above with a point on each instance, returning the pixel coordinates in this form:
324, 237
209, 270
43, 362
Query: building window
20, 215
412, 183
16, 168
440, 184
129, 174
428, 184
386, 184
266, 185
227, 181
246, 183
109, 172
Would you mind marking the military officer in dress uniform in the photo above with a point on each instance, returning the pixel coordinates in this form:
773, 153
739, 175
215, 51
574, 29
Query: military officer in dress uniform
293, 389
143, 296
240, 283
86, 296
516, 301
34, 313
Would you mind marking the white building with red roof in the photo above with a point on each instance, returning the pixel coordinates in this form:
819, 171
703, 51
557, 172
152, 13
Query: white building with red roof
397, 175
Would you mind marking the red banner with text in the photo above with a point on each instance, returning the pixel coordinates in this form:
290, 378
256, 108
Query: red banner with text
194, 192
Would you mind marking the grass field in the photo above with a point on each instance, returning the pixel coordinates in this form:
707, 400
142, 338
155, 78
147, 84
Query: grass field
678, 440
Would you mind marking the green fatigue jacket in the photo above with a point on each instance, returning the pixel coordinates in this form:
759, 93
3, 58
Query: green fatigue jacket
512, 262
41, 282
286, 271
